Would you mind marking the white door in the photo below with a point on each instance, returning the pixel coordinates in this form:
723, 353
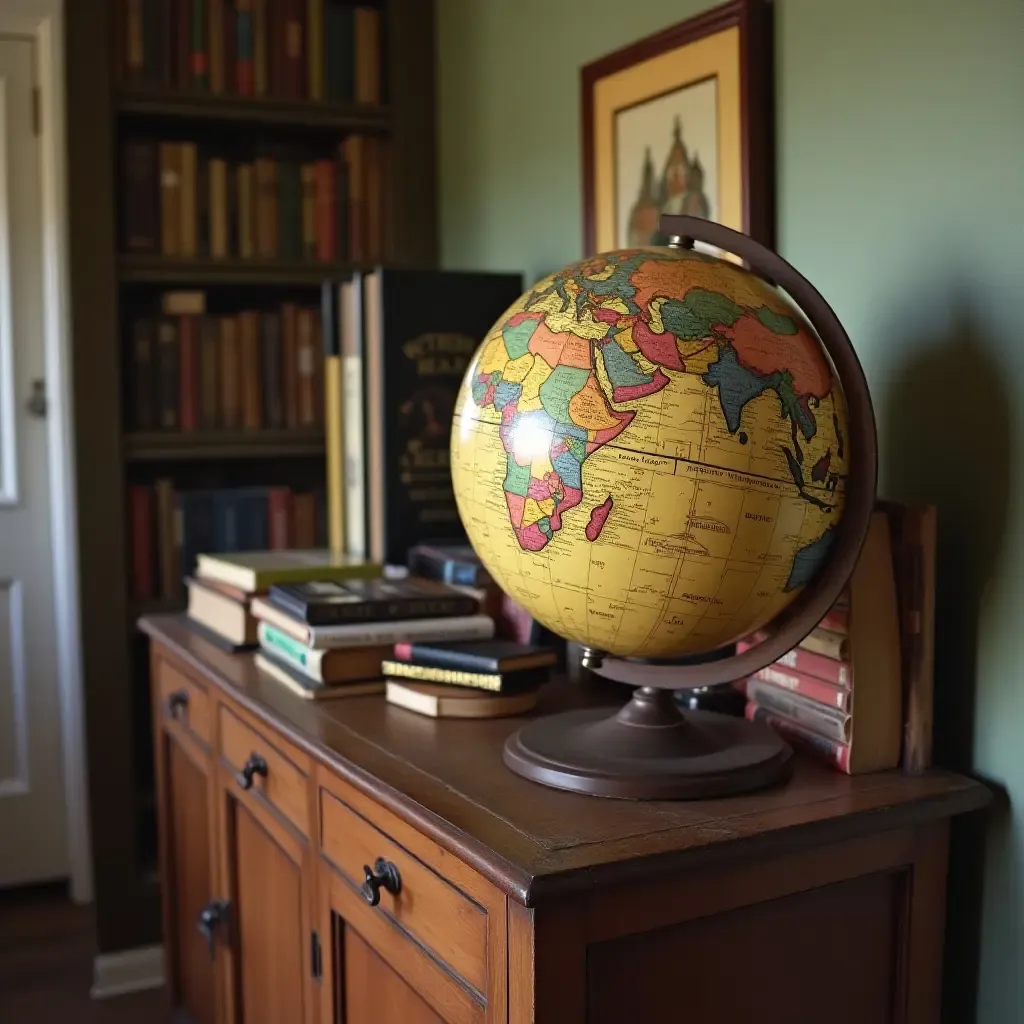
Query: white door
32, 819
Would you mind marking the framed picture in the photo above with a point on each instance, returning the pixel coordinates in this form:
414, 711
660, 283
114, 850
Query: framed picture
681, 122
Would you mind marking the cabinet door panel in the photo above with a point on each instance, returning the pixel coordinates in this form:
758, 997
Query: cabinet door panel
270, 945
374, 993
187, 849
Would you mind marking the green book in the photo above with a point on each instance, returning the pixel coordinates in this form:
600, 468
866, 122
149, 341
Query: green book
254, 571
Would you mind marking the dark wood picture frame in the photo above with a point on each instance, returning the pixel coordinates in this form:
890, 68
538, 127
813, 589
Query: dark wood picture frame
754, 20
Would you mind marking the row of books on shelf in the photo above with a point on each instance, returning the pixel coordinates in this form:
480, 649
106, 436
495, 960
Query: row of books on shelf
297, 49
329, 628
248, 371
185, 202
858, 690
169, 528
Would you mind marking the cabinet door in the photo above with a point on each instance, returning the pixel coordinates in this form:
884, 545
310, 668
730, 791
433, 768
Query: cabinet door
265, 877
186, 854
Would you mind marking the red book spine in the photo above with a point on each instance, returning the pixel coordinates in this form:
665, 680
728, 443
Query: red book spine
188, 345
837, 753
279, 502
817, 665
837, 620
326, 218
141, 502
806, 686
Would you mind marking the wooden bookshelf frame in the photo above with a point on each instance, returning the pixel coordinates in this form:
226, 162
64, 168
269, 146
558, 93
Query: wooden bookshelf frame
117, 726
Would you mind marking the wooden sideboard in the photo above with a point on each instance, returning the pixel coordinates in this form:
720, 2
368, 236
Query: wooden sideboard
822, 898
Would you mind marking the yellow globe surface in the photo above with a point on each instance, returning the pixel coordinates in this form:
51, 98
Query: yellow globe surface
649, 452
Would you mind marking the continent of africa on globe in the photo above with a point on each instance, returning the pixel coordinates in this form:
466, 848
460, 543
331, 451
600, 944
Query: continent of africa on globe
648, 452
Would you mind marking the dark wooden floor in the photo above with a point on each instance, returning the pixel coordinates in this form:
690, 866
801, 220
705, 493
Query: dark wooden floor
46, 954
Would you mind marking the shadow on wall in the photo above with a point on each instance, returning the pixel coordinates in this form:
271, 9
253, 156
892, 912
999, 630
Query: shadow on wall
946, 439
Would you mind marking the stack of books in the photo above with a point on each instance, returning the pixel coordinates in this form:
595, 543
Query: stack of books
326, 639
253, 370
224, 588
839, 692
482, 679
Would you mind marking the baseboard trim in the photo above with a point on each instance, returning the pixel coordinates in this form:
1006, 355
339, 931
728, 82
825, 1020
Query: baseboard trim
130, 970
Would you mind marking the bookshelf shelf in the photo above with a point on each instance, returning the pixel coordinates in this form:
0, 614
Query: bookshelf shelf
305, 115
145, 269
222, 444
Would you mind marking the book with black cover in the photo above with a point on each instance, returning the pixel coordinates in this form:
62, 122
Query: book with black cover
422, 328
329, 603
494, 656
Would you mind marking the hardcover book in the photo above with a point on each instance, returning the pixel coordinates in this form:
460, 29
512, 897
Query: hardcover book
492, 656
309, 689
257, 570
493, 682
330, 603
454, 702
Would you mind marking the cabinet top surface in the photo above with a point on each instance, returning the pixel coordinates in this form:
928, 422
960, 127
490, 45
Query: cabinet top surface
447, 778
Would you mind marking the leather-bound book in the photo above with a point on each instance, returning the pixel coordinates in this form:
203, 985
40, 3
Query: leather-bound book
140, 199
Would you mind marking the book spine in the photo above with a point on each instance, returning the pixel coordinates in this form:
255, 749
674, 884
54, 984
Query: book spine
199, 57
293, 70
170, 198
831, 671
135, 56
290, 363
144, 374
304, 521
141, 517
140, 204
168, 366
827, 644
246, 211
448, 570
375, 610
249, 370
837, 753
218, 180
451, 677
325, 242
230, 383
229, 46
165, 30
215, 38
433, 657
266, 208
167, 539
188, 212
260, 67
253, 514
188, 384
309, 212
806, 686
833, 724
209, 386
289, 210
183, 43
341, 208
292, 651
270, 352
151, 42
306, 367
245, 79
345, 48
375, 175
355, 162
315, 49
353, 433
367, 55
279, 508
476, 627
837, 619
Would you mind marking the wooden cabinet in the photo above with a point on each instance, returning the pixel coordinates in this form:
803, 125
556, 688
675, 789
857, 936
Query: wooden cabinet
495, 901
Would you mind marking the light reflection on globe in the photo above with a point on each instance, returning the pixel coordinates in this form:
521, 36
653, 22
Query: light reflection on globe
649, 452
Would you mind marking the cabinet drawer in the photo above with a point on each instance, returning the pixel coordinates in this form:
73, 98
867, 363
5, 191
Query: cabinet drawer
284, 785
451, 925
184, 700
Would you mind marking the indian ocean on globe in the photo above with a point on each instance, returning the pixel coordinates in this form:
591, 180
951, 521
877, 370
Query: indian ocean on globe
649, 452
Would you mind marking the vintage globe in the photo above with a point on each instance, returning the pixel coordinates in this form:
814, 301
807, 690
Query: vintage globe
649, 452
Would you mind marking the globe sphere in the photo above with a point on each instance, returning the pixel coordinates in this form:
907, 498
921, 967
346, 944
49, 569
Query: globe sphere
649, 452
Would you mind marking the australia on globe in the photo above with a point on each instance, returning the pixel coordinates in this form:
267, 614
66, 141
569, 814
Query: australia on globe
649, 452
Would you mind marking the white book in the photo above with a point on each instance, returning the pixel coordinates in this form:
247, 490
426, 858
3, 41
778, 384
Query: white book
353, 429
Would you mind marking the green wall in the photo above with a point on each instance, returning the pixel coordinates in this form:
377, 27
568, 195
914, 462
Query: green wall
901, 195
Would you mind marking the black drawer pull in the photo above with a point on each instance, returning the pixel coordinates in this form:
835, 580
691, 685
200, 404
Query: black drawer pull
384, 875
177, 702
256, 765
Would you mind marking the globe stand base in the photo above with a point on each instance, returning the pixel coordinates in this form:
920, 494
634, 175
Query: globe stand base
650, 750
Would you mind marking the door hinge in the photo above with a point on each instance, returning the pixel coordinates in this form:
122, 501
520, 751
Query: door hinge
316, 958
37, 110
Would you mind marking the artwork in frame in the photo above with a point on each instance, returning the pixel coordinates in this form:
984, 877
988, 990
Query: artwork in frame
681, 122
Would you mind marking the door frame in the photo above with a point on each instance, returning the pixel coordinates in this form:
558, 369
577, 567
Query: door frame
43, 22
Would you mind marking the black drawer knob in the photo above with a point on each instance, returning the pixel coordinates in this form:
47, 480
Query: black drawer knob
256, 765
213, 916
177, 702
383, 875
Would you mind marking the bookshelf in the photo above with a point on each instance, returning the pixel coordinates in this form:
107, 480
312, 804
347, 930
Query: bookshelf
112, 287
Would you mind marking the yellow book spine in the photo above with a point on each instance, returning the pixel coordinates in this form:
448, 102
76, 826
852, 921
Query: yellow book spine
433, 674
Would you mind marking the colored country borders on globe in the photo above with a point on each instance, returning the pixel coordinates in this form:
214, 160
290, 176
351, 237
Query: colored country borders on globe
539, 373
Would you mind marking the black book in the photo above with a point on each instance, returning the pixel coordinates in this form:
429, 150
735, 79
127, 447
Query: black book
422, 328
450, 563
499, 657
325, 603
